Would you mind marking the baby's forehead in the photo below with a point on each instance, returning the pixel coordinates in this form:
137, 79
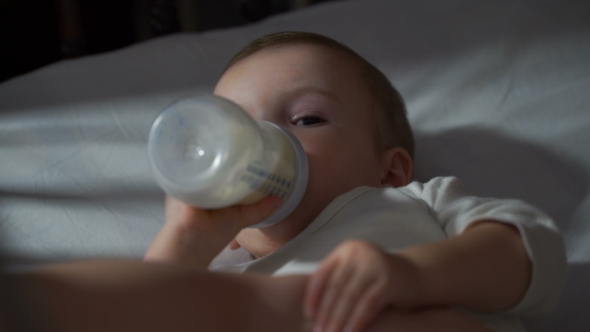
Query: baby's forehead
296, 67
304, 49
314, 60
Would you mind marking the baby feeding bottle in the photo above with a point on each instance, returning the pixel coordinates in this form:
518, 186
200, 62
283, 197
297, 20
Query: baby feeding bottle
208, 152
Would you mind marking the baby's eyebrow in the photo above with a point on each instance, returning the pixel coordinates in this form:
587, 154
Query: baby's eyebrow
307, 89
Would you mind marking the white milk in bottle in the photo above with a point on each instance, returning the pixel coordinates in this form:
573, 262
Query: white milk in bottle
208, 152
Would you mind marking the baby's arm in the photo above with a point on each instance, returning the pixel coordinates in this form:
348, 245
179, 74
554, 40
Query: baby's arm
485, 268
195, 236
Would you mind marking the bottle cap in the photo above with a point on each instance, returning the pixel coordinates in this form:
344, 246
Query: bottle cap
196, 147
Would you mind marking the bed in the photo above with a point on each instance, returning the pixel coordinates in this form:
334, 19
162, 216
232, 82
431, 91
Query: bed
498, 94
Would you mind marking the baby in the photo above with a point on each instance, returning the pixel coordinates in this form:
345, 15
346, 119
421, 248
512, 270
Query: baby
367, 249
382, 251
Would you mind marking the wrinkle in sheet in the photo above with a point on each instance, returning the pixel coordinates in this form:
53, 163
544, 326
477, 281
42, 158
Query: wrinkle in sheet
101, 169
69, 156
507, 91
75, 226
79, 126
122, 127
6, 213
197, 51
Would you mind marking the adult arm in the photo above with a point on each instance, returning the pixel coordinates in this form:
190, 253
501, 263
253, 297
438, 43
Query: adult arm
125, 295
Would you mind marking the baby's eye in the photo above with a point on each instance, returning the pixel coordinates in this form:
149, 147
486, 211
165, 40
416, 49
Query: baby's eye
307, 120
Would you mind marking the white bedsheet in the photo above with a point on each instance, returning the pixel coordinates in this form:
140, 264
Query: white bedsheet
498, 93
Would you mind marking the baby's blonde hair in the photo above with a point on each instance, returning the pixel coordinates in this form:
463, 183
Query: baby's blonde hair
391, 122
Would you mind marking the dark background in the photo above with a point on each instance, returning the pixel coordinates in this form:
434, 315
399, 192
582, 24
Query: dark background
34, 33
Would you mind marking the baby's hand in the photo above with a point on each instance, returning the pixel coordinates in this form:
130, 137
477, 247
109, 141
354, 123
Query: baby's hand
194, 236
355, 283
218, 222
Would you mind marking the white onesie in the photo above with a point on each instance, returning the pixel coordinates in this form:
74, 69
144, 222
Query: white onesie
416, 214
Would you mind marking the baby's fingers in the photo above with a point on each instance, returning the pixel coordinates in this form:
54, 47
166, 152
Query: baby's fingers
315, 288
248, 215
366, 309
336, 285
348, 299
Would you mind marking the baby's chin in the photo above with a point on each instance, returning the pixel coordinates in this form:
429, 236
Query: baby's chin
263, 241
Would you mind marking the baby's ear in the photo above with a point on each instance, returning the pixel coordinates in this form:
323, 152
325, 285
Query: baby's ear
397, 168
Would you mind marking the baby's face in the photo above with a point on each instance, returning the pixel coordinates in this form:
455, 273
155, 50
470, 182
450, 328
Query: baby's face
320, 96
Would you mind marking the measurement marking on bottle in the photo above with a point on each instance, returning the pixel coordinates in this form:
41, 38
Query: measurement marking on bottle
265, 182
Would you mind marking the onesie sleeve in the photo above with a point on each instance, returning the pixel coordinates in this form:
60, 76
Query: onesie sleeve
454, 210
